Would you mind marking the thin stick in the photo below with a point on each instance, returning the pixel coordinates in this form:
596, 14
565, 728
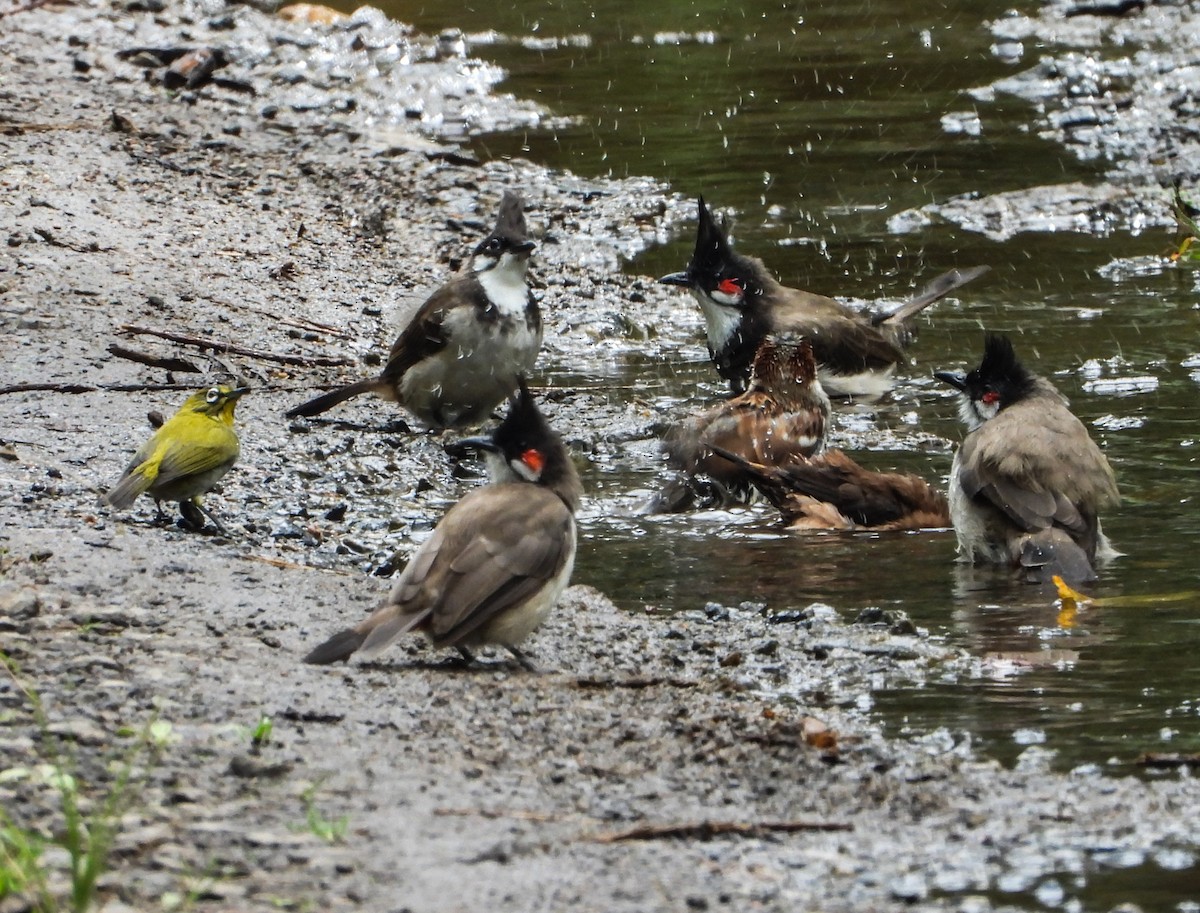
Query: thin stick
1165, 761
635, 684
93, 388
33, 5
294, 566
707, 830
150, 388
298, 322
229, 348
155, 361
518, 814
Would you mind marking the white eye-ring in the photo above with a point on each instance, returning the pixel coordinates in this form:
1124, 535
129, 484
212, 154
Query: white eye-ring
213, 394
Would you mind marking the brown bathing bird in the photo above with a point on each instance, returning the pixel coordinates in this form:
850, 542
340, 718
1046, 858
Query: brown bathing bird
743, 304
497, 562
1028, 483
783, 412
832, 491
462, 352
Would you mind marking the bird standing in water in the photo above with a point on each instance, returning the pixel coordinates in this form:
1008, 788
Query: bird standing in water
1028, 482
784, 412
743, 304
186, 456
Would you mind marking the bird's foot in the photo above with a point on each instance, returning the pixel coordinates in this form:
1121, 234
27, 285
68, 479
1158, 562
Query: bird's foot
526, 663
193, 518
194, 514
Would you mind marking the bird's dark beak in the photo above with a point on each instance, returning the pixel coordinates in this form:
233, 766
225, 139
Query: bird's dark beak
477, 443
957, 381
526, 247
683, 279
237, 393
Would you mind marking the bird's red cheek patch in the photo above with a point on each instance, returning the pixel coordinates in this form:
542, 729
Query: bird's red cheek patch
991, 397
534, 459
729, 287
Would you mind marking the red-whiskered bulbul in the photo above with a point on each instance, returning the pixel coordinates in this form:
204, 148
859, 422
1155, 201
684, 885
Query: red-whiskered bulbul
462, 352
497, 562
783, 412
743, 304
1028, 482
832, 491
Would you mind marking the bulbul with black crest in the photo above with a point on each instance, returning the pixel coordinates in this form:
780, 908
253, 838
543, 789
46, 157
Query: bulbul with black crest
743, 304
462, 352
1028, 483
497, 562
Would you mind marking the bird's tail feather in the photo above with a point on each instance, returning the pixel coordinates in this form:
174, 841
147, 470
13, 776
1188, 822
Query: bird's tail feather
126, 491
390, 629
939, 288
327, 401
339, 647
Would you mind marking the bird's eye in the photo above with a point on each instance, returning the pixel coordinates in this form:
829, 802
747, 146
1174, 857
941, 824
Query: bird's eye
213, 394
492, 245
731, 286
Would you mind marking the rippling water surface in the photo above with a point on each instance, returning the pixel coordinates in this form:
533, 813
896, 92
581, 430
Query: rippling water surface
816, 125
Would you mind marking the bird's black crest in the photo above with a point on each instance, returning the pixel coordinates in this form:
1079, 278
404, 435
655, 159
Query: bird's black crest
712, 247
510, 221
524, 425
1000, 364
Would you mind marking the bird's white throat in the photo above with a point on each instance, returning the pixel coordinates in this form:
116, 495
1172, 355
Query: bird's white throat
974, 412
721, 321
504, 284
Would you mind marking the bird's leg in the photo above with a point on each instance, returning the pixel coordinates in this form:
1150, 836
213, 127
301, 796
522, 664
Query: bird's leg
160, 515
467, 655
524, 660
208, 513
192, 517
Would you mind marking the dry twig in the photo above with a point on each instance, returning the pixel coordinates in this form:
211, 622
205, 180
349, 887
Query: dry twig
707, 830
155, 361
229, 348
634, 684
93, 388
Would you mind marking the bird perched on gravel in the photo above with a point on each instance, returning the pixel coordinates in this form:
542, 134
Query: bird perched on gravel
186, 456
1028, 483
496, 563
462, 352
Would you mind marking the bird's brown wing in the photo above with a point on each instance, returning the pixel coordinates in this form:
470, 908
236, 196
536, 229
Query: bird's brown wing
854, 494
763, 434
754, 426
495, 549
515, 547
1037, 464
426, 333
843, 342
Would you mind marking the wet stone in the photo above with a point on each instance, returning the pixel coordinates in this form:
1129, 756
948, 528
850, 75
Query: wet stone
84, 732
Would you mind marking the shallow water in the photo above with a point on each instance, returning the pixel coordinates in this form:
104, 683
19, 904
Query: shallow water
816, 126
